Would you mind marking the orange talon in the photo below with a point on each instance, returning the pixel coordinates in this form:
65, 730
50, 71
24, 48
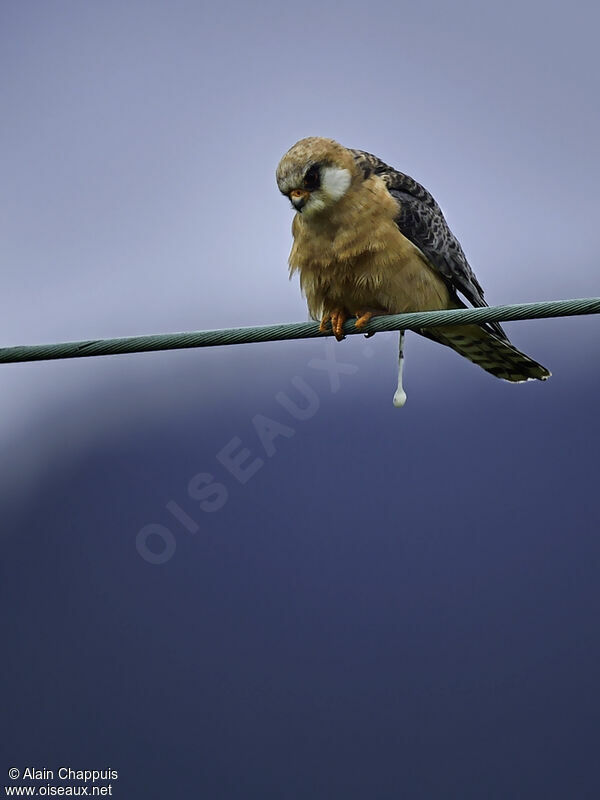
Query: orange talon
338, 318
324, 322
362, 319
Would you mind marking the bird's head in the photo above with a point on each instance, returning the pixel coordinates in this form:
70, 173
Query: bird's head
315, 174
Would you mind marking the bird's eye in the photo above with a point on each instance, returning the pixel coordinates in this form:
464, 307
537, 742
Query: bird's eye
312, 178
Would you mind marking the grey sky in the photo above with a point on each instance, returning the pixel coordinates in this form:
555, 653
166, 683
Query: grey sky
139, 143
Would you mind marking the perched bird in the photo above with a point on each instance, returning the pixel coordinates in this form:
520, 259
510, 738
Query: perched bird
369, 240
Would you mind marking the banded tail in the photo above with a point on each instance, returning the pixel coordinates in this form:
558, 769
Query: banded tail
492, 353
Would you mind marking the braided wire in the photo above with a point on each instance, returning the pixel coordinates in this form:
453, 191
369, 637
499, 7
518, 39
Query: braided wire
298, 330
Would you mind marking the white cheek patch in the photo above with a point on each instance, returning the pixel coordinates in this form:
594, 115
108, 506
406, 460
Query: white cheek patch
335, 181
315, 202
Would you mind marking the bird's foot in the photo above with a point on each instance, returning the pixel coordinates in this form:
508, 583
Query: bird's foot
362, 317
337, 319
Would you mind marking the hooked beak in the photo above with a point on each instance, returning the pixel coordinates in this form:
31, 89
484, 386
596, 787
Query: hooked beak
299, 198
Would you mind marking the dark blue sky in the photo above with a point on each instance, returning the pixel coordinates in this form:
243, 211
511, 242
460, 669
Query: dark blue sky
395, 603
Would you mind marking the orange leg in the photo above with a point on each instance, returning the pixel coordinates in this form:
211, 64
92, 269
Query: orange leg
362, 318
324, 323
337, 317
337, 323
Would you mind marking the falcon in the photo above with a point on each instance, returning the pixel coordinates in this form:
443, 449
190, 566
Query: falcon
369, 240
